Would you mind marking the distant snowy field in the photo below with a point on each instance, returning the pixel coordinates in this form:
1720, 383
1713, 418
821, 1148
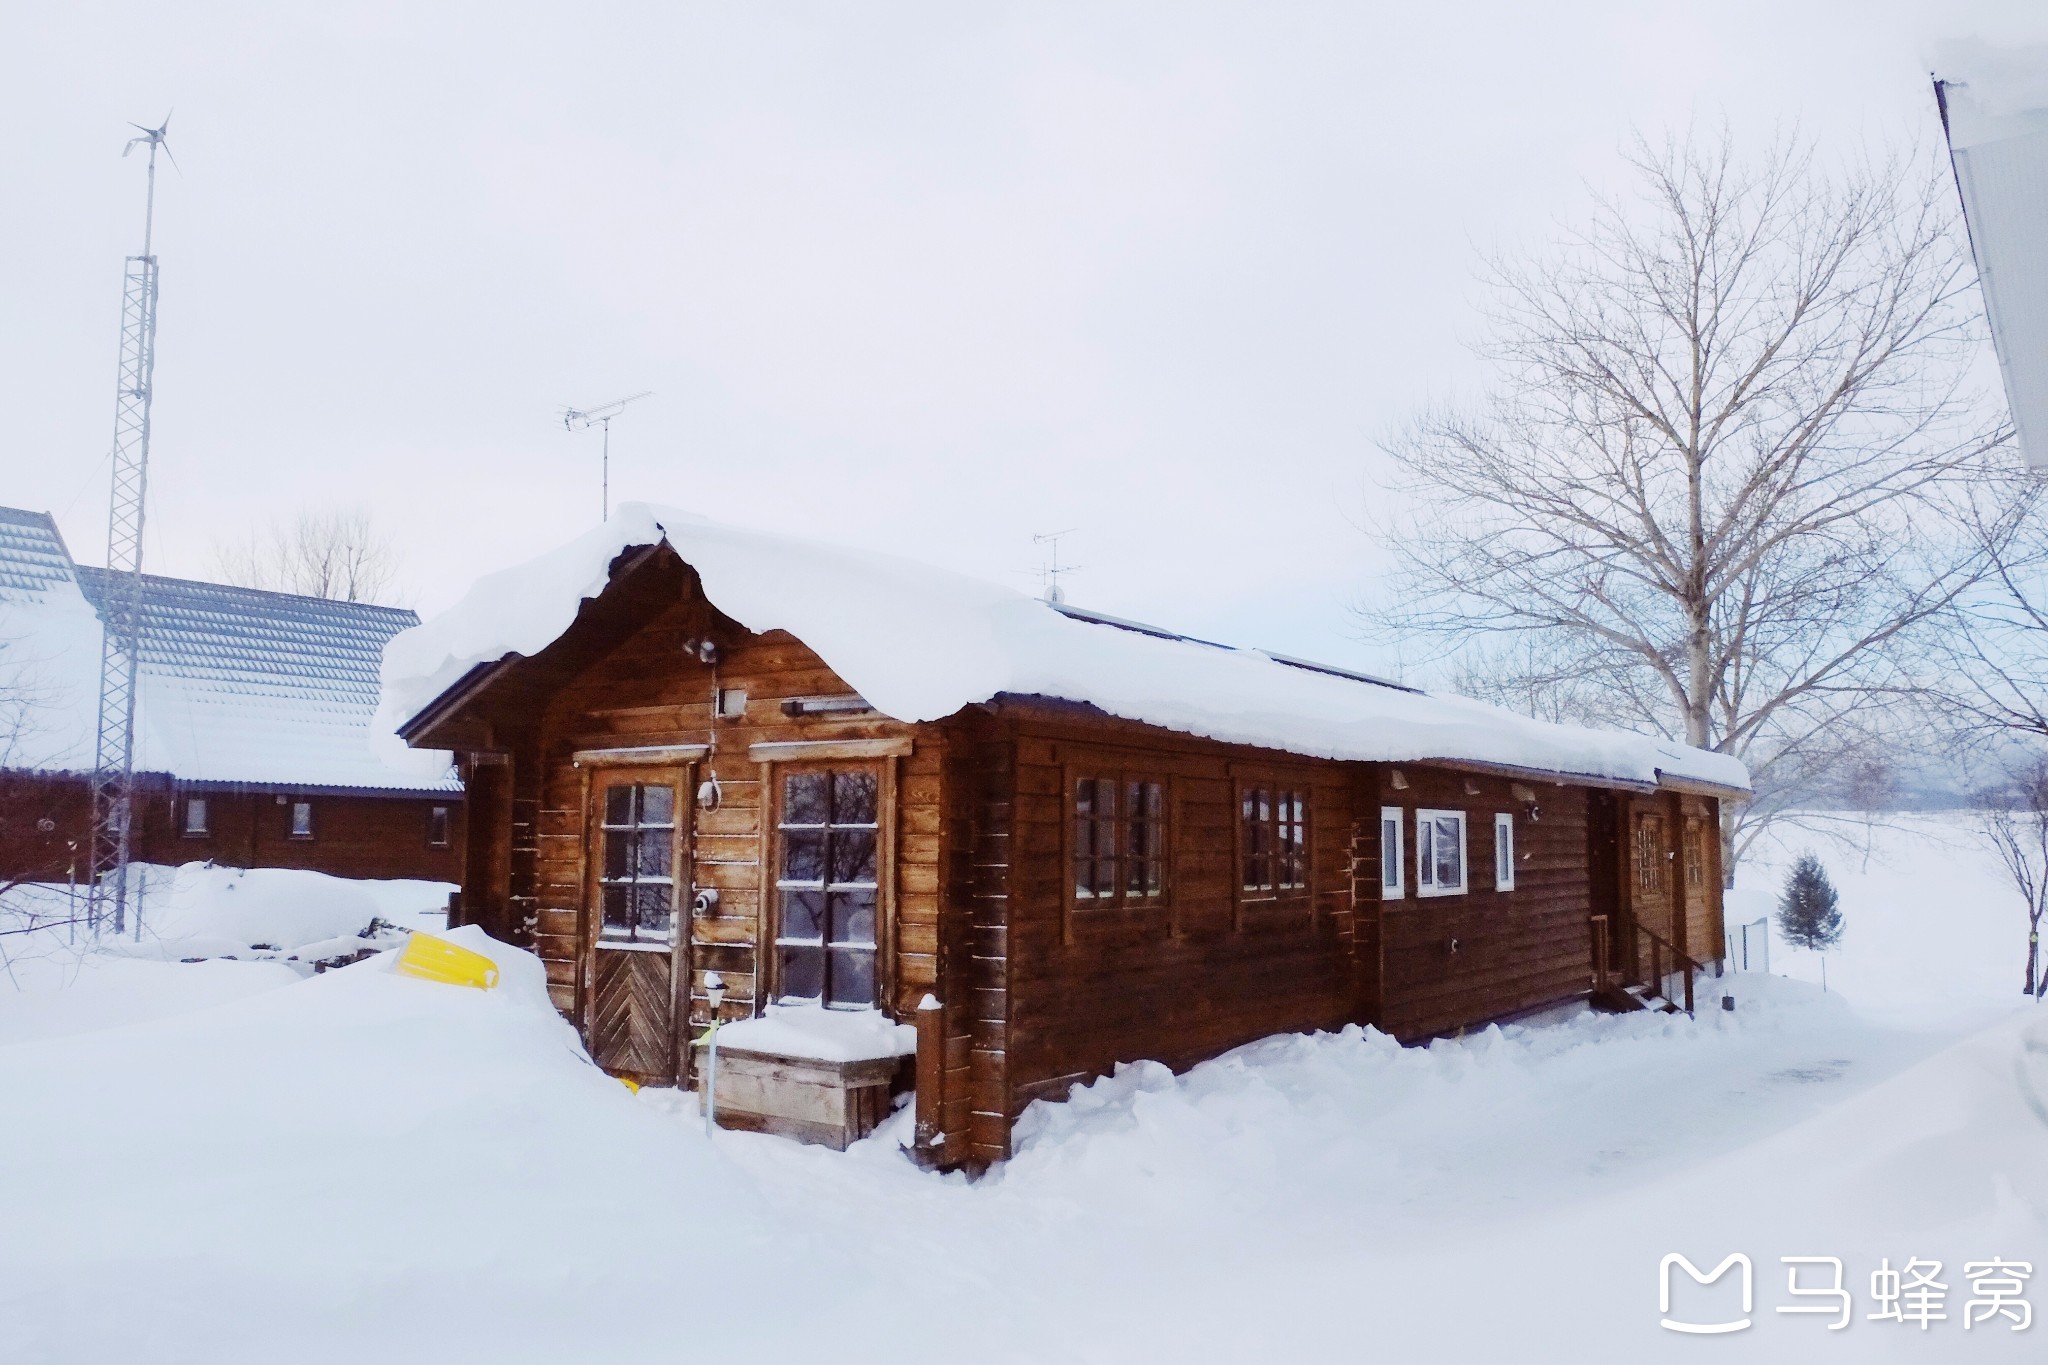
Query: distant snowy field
357, 1166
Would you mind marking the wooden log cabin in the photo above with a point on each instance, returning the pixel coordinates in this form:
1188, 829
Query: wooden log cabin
1051, 840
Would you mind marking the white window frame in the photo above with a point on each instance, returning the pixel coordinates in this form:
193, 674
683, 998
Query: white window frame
292, 830
203, 827
1503, 851
1392, 856
1426, 883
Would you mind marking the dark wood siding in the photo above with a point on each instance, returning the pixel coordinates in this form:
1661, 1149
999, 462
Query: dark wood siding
1197, 974
1452, 962
357, 835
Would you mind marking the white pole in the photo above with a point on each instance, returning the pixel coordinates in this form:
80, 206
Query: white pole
714, 991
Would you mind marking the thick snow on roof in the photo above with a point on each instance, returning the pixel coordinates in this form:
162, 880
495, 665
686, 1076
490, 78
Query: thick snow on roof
920, 643
1995, 109
235, 684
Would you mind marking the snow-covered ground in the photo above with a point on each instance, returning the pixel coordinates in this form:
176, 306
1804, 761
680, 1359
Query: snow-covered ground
361, 1166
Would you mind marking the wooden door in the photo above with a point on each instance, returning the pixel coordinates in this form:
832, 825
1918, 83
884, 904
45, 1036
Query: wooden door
636, 888
1651, 881
1695, 925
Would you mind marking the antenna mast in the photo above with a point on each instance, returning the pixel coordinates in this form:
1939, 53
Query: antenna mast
575, 419
113, 783
1051, 572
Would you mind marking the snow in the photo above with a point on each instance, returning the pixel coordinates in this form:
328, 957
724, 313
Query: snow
920, 643
364, 1166
821, 1034
234, 685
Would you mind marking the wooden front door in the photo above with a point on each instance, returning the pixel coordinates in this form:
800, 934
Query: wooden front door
636, 910
1651, 883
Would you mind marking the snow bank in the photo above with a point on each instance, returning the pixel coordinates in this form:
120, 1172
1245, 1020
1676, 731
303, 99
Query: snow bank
203, 910
821, 1034
364, 1166
920, 643
1932, 928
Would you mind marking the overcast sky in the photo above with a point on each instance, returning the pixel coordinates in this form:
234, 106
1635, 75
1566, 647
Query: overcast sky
926, 277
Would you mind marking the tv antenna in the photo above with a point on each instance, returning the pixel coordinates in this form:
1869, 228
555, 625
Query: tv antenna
579, 419
113, 769
1051, 572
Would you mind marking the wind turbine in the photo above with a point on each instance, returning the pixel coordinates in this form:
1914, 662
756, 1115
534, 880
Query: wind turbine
578, 419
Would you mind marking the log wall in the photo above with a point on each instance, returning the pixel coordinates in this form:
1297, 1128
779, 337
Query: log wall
1452, 962
1202, 970
358, 835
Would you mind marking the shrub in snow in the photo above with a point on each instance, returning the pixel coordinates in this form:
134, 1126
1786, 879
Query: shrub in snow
1809, 913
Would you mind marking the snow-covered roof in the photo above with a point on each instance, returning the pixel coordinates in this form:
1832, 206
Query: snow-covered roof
920, 643
1994, 107
235, 685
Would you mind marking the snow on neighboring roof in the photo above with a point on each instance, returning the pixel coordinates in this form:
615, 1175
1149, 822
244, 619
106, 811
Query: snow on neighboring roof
236, 685
920, 643
1994, 106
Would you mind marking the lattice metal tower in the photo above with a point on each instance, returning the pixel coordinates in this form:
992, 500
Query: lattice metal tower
113, 785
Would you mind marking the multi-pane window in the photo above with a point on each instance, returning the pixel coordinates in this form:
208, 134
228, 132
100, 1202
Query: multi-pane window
1439, 852
437, 827
827, 887
1119, 840
196, 826
1695, 854
1392, 885
302, 820
1273, 840
1503, 852
636, 879
1649, 855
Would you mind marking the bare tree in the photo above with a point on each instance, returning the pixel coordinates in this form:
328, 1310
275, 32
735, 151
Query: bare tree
1712, 491
2016, 825
1995, 682
338, 554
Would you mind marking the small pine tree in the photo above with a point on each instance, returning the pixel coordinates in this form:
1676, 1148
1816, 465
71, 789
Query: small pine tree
1809, 911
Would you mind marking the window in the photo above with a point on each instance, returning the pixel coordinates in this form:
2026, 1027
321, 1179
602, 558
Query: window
437, 827
1439, 852
1649, 856
1273, 841
827, 887
1695, 854
1119, 853
1503, 852
636, 877
1392, 887
302, 820
196, 826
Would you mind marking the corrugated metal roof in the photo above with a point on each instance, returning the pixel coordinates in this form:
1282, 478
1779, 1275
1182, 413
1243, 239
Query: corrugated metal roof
33, 559
237, 684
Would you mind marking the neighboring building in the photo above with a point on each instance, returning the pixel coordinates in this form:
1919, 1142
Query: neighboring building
255, 735
1994, 112
1052, 840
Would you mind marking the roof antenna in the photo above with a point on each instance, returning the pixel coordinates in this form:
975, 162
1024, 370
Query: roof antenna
574, 419
1051, 572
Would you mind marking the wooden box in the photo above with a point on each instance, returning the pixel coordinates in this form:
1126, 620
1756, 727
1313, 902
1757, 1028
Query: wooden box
832, 1103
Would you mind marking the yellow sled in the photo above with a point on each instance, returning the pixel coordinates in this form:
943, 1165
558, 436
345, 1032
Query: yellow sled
436, 959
